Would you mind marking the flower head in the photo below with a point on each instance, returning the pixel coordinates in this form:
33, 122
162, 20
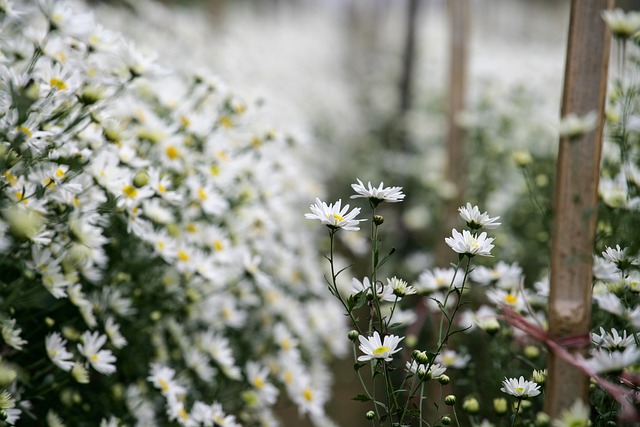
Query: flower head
425, 372
335, 216
374, 348
623, 25
520, 388
476, 220
379, 194
574, 126
576, 416
470, 244
91, 347
57, 351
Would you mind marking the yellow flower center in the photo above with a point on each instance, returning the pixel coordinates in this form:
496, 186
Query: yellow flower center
308, 394
172, 152
184, 121
511, 299
338, 218
130, 191
258, 382
519, 389
25, 130
164, 385
217, 244
380, 350
226, 122
182, 255
58, 83
202, 194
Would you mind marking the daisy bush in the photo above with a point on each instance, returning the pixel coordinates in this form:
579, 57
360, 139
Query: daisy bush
145, 275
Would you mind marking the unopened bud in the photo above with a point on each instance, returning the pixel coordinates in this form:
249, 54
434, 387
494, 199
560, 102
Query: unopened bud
378, 219
450, 400
531, 352
471, 405
141, 179
370, 415
445, 420
500, 405
353, 335
444, 379
422, 357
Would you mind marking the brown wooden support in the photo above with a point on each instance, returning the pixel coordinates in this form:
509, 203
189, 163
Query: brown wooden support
576, 198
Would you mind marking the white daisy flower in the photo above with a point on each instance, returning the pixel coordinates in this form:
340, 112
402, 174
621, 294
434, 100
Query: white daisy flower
378, 194
335, 216
623, 24
520, 388
11, 334
452, 359
374, 348
476, 220
576, 416
613, 340
611, 361
383, 293
470, 244
400, 288
101, 360
57, 351
425, 372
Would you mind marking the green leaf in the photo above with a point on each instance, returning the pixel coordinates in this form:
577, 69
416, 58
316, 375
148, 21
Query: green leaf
361, 398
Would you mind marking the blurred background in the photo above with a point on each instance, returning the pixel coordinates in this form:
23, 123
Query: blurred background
378, 90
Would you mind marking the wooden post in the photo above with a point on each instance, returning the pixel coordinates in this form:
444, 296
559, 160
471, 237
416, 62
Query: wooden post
456, 170
576, 198
408, 57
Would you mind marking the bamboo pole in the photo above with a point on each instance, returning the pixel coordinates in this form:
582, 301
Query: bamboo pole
576, 198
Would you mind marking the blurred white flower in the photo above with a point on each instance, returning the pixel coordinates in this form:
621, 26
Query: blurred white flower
476, 220
57, 351
91, 348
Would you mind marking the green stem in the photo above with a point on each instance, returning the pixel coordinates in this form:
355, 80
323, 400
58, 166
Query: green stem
515, 415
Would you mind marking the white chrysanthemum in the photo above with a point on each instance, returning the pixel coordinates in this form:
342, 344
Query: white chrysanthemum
57, 351
573, 126
613, 340
623, 24
378, 194
11, 334
470, 244
576, 416
475, 219
438, 279
425, 372
383, 293
257, 376
520, 388
335, 216
453, 359
399, 287
91, 347
374, 348
603, 360
162, 377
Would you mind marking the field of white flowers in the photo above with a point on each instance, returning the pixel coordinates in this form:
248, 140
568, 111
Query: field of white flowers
194, 228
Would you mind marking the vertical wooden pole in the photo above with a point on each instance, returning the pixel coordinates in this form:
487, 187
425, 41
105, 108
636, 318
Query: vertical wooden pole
408, 57
455, 171
576, 197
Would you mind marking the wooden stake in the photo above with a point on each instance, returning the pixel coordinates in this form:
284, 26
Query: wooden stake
456, 169
576, 198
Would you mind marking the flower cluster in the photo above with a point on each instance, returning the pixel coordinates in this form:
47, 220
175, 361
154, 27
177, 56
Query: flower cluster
142, 209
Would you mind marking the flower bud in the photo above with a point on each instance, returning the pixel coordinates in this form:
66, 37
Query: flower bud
353, 335
444, 379
500, 405
471, 405
445, 420
141, 179
450, 400
490, 326
378, 219
531, 352
522, 158
539, 376
370, 415
542, 419
422, 357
